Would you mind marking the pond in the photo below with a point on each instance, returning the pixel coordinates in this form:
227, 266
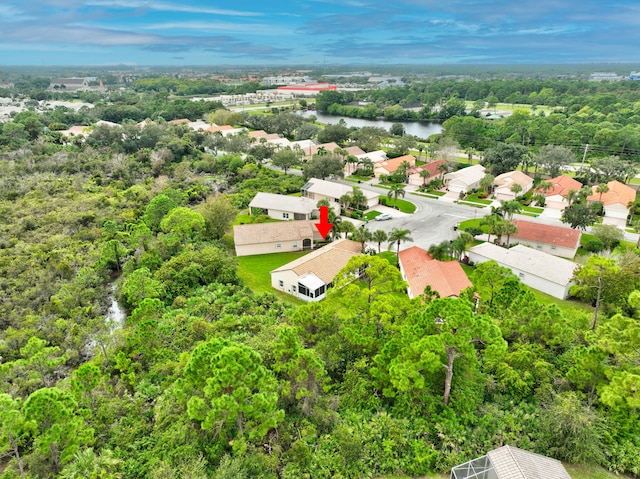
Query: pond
421, 129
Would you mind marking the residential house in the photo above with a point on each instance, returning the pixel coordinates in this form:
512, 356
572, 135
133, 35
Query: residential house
503, 185
464, 180
434, 169
263, 238
224, 130
310, 276
375, 156
420, 270
616, 202
351, 166
321, 189
547, 273
555, 240
283, 207
508, 462
556, 196
316, 149
390, 166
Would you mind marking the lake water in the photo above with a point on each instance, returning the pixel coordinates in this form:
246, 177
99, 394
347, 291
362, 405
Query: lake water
421, 129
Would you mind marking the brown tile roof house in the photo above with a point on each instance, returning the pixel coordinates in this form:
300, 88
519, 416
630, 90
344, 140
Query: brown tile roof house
308, 277
390, 166
420, 270
257, 134
548, 234
313, 150
275, 237
618, 193
561, 186
432, 168
213, 129
179, 121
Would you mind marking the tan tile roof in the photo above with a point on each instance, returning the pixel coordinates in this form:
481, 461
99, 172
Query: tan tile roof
325, 262
274, 232
511, 177
312, 150
257, 134
618, 193
213, 129
447, 278
354, 150
394, 163
561, 186
180, 120
548, 234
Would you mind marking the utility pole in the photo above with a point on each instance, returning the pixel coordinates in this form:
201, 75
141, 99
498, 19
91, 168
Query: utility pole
584, 157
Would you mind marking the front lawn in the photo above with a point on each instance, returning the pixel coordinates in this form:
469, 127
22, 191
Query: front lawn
476, 199
401, 205
255, 272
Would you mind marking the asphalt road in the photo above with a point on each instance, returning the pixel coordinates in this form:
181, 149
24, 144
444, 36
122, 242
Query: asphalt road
432, 222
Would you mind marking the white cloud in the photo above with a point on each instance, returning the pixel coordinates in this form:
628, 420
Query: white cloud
168, 7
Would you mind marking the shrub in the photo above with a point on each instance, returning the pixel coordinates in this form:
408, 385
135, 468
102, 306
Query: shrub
594, 245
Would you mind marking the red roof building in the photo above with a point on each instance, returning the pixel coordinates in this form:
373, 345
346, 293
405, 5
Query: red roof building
555, 240
419, 269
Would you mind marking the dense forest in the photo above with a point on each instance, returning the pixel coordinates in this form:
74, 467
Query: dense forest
205, 378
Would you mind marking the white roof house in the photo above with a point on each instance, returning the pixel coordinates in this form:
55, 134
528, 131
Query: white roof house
465, 179
283, 207
508, 462
537, 269
317, 189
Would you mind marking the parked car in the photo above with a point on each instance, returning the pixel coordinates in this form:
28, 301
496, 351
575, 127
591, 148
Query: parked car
383, 217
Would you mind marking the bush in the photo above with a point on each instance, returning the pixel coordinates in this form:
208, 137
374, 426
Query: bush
383, 200
594, 245
474, 231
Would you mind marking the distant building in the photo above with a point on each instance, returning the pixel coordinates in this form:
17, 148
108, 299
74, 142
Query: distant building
308, 89
634, 76
605, 76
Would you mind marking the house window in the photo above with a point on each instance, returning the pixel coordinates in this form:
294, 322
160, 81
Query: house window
553, 247
281, 283
521, 275
278, 245
538, 246
294, 245
285, 215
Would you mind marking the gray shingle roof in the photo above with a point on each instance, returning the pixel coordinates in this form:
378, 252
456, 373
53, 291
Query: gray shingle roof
512, 463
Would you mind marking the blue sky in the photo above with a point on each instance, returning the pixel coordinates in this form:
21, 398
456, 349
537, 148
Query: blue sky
292, 32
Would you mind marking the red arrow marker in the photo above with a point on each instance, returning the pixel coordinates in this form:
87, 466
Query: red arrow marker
324, 226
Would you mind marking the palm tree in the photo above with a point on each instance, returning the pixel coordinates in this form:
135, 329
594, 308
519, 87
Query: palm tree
486, 182
361, 235
601, 188
397, 236
396, 190
545, 186
379, 236
571, 196
509, 229
424, 174
509, 208
460, 244
491, 221
440, 250
515, 189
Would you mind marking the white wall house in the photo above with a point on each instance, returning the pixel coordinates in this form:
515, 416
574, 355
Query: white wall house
283, 236
542, 271
316, 190
615, 202
283, 207
308, 278
502, 185
555, 240
465, 179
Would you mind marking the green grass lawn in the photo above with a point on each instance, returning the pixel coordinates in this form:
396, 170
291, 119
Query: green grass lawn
254, 271
476, 199
402, 205
469, 203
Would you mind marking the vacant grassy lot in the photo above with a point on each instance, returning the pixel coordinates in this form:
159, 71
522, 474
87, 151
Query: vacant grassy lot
254, 271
